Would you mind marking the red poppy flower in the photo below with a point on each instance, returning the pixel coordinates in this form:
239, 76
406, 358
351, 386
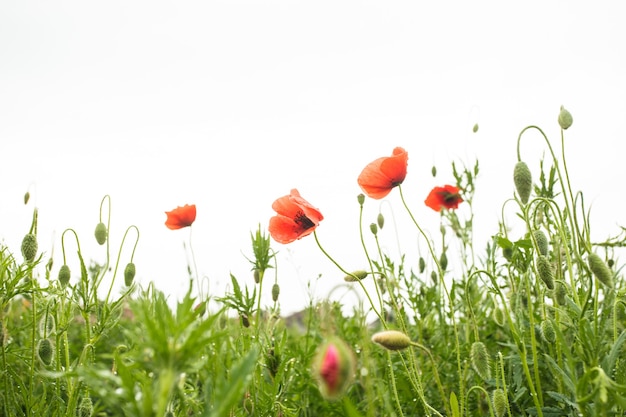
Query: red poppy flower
444, 197
380, 176
181, 217
295, 218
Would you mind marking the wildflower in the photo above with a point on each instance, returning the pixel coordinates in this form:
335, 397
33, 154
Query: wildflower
380, 176
334, 368
443, 197
295, 218
392, 339
181, 217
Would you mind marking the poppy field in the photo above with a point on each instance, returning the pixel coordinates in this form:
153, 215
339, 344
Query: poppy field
529, 323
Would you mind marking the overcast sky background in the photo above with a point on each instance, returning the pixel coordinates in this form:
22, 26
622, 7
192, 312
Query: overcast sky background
230, 104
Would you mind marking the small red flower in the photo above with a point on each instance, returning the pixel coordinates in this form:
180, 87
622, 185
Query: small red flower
380, 176
444, 197
333, 366
181, 217
295, 218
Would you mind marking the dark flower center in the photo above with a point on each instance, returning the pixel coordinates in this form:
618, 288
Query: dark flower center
303, 221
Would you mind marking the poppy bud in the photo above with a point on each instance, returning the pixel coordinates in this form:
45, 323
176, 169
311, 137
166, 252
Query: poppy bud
547, 331
434, 277
480, 360
245, 321
560, 293
392, 339
334, 368
542, 242
29, 247
200, 309
101, 233
44, 351
275, 292
26, 197
565, 118
380, 220
433, 171
475, 128
129, 274
47, 325
85, 407
257, 275
600, 270
374, 228
64, 275
422, 264
443, 261
500, 402
361, 199
544, 269
523, 181
355, 276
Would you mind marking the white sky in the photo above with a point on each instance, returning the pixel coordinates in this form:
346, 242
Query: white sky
230, 104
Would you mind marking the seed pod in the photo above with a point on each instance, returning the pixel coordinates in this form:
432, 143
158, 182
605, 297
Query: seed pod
85, 407
64, 275
44, 351
480, 360
500, 402
374, 228
333, 367
523, 180
392, 339
29, 247
600, 270
544, 270
355, 276
542, 242
129, 274
101, 233
380, 220
565, 118
275, 292
547, 331
361, 199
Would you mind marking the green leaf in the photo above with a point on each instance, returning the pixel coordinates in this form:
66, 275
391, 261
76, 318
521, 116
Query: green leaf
454, 405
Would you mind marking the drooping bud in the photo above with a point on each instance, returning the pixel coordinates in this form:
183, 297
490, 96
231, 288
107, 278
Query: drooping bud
380, 220
523, 180
600, 270
26, 197
101, 233
245, 321
392, 339
480, 360
47, 325
334, 368
64, 275
422, 264
85, 407
361, 199
257, 275
275, 292
547, 331
434, 277
443, 261
500, 402
44, 351
355, 276
542, 242
565, 118
475, 128
129, 274
560, 293
29, 247
433, 171
374, 228
544, 270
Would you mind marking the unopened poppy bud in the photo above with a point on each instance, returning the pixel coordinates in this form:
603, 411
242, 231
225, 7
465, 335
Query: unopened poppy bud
101, 233
523, 181
560, 293
275, 292
374, 228
355, 276
26, 197
64, 275
422, 264
44, 351
257, 275
29, 247
475, 128
433, 171
392, 339
600, 270
565, 118
361, 199
85, 407
334, 368
547, 331
245, 321
434, 277
200, 309
480, 360
542, 242
443, 261
544, 269
129, 274
380, 220
500, 402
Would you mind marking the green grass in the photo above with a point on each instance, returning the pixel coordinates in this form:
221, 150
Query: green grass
523, 325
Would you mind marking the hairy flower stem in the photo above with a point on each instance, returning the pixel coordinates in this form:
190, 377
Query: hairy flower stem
369, 260
117, 262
